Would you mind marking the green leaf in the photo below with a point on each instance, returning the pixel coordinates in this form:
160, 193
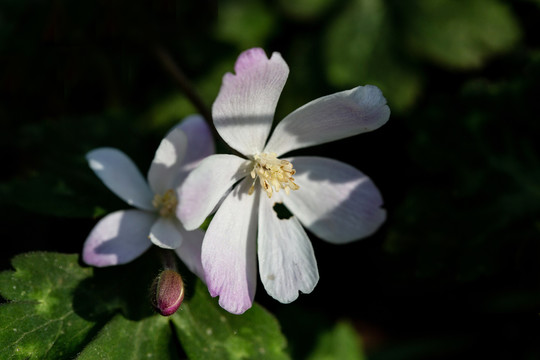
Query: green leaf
41, 322
126, 339
305, 9
460, 34
342, 342
361, 47
206, 331
56, 307
244, 23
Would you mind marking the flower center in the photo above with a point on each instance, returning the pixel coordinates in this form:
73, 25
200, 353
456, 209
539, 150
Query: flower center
166, 203
273, 174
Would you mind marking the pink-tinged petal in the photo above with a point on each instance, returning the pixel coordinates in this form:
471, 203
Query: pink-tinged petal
121, 176
199, 139
166, 233
190, 251
167, 162
335, 201
200, 145
205, 186
330, 118
228, 250
286, 259
244, 109
118, 238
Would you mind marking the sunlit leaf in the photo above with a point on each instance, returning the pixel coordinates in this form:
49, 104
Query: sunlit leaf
40, 320
208, 332
56, 307
121, 338
461, 34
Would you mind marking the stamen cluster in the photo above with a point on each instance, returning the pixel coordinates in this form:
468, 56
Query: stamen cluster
273, 174
166, 203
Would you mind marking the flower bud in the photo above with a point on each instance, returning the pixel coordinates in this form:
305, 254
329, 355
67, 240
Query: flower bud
168, 292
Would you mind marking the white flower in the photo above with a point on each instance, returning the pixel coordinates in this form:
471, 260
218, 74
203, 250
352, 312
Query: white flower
123, 235
332, 199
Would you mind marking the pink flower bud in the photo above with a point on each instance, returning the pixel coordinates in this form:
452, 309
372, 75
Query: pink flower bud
168, 292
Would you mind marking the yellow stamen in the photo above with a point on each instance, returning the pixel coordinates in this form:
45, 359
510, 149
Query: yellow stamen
166, 203
273, 174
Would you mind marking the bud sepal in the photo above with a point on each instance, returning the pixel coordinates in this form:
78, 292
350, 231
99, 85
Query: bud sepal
168, 292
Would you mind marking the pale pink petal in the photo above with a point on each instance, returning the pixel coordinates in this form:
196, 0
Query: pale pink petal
121, 176
118, 238
335, 201
244, 109
228, 250
205, 186
330, 118
190, 250
166, 233
286, 260
167, 162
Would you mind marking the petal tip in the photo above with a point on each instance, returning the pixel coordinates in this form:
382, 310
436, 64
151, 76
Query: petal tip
93, 259
184, 216
249, 58
374, 105
234, 307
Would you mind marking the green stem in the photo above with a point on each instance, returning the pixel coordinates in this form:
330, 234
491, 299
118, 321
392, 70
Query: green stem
168, 259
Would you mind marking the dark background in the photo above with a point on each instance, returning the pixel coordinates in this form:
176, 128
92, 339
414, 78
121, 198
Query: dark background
454, 269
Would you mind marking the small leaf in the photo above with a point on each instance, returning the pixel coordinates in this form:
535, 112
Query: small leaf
208, 332
121, 339
361, 47
342, 343
460, 34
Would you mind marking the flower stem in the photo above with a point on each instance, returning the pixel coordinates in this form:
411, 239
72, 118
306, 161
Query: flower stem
167, 259
178, 75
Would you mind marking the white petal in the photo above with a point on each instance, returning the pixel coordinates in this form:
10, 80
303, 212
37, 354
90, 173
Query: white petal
167, 162
165, 233
244, 109
228, 251
199, 139
206, 185
335, 201
118, 238
286, 260
121, 176
330, 118
190, 250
